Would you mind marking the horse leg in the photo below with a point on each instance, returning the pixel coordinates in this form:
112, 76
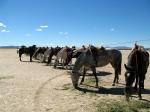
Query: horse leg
140, 85
56, 63
49, 59
84, 72
116, 78
30, 58
63, 63
135, 87
116, 74
94, 73
143, 77
20, 56
44, 59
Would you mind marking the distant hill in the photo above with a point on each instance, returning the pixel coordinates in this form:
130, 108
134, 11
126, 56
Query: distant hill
9, 47
124, 48
120, 47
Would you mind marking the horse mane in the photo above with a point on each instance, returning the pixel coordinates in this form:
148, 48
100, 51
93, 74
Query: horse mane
137, 48
23, 46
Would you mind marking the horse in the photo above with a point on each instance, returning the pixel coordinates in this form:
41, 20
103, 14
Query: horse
40, 50
96, 57
136, 69
27, 50
49, 53
77, 52
65, 54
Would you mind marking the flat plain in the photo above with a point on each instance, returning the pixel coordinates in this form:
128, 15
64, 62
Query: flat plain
34, 87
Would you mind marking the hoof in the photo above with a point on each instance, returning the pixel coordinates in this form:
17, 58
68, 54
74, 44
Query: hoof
113, 84
140, 97
135, 88
81, 83
97, 86
142, 87
127, 99
75, 86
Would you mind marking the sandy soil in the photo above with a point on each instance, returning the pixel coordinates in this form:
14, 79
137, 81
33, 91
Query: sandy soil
35, 87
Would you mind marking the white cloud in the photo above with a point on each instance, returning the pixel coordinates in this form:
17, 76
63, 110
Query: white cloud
2, 25
44, 26
65, 34
5, 31
38, 30
112, 29
28, 34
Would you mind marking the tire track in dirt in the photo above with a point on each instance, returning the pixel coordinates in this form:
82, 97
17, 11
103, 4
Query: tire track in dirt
39, 91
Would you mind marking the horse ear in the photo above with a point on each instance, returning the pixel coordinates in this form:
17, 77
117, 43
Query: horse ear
129, 67
125, 66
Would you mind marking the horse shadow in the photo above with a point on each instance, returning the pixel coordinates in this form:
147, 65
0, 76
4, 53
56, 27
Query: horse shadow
33, 61
29, 61
113, 91
26, 61
6, 77
100, 73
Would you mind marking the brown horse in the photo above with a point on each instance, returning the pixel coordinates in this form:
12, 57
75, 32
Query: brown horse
40, 50
65, 54
49, 53
96, 57
79, 51
136, 68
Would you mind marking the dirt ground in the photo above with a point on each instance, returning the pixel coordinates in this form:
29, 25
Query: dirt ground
35, 87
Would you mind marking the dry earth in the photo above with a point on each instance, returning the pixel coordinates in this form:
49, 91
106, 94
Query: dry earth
34, 87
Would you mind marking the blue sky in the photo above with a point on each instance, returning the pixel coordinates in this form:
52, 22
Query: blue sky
74, 22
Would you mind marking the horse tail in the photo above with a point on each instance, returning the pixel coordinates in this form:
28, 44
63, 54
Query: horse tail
17, 51
119, 66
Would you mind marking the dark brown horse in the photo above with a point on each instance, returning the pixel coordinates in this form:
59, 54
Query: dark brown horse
27, 50
136, 68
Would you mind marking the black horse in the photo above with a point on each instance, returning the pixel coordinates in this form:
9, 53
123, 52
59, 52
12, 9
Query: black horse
27, 50
136, 68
